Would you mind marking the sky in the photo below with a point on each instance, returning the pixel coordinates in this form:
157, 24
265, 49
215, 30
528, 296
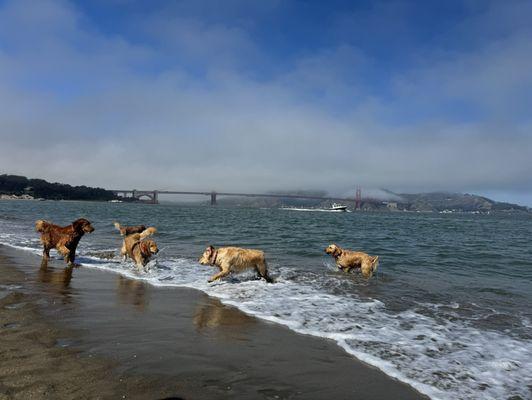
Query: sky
269, 95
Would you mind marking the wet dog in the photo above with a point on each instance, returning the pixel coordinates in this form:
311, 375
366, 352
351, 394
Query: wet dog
64, 239
348, 260
129, 230
234, 259
139, 248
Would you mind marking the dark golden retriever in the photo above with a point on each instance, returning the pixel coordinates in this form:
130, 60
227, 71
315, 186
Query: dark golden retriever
234, 259
129, 230
64, 239
348, 260
139, 248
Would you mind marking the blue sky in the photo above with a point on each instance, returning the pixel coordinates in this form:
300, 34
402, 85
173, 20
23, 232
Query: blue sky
269, 95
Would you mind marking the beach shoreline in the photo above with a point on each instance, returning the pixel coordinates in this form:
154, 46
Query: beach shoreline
135, 340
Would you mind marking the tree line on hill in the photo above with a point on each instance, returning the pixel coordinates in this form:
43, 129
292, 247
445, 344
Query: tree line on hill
39, 188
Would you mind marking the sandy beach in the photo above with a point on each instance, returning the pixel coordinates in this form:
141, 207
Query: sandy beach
94, 334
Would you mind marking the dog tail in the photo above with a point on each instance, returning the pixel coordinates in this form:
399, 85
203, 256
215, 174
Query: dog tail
374, 263
118, 227
148, 232
41, 225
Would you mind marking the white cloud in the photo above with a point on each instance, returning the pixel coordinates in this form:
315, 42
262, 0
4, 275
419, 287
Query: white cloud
86, 108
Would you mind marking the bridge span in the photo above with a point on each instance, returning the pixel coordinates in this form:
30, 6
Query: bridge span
153, 196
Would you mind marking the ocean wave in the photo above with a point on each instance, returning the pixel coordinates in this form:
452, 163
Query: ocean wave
442, 358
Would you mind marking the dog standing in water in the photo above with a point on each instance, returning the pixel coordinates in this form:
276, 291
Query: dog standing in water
234, 259
64, 239
348, 260
137, 247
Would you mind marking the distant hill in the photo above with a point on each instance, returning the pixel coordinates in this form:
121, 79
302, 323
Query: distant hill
454, 202
39, 188
423, 202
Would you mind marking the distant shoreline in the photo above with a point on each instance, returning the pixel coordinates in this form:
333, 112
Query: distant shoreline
4, 197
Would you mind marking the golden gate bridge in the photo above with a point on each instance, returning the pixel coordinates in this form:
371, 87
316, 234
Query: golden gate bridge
152, 196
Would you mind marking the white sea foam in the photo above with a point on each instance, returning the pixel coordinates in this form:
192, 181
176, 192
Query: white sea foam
445, 359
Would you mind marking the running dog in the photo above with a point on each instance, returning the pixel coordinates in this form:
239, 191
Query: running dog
126, 231
64, 239
234, 259
138, 248
348, 260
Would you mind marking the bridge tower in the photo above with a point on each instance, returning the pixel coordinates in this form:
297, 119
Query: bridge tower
358, 198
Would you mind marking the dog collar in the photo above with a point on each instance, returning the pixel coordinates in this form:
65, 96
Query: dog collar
212, 261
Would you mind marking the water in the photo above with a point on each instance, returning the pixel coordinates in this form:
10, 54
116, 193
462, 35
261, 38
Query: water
448, 312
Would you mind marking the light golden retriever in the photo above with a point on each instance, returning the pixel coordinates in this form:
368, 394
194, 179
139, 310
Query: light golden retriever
348, 260
234, 259
64, 239
139, 248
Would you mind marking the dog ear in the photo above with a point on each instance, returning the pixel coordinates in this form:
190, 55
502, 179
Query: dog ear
210, 248
78, 224
337, 251
144, 248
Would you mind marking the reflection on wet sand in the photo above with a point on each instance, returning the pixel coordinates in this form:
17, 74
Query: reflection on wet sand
130, 291
59, 277
57, 280
211, 316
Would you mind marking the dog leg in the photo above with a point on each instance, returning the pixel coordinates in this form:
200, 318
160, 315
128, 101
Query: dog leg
219, 275
263, 271
63, 250
123, 251
366, 269
46, 253
72, 257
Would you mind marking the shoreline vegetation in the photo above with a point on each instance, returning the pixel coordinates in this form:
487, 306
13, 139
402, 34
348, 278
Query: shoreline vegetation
14, 187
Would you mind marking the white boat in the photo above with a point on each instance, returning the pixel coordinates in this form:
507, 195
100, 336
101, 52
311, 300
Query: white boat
334, 208
338, 207
115, 201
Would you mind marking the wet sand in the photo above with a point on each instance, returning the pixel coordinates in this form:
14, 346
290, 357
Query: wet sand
85, 333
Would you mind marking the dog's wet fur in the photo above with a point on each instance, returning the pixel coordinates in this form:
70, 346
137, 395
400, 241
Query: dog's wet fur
64, 239
129, 230
235, 259
139, 248
348, 260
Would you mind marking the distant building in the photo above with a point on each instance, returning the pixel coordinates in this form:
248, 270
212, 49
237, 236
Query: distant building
391, 205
